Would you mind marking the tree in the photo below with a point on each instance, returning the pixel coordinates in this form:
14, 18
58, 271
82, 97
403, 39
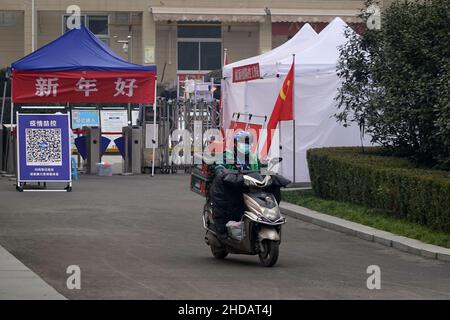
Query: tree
395, 80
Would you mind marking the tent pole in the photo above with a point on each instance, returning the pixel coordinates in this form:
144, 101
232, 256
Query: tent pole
293, 129
245, 98
178, 87
3, 101
280, 146
154, 130
129, 114
14, 145
12, 114
10, 146
222, 85
293, 113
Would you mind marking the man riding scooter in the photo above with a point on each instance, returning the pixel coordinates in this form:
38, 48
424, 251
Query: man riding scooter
226, 195
247, 201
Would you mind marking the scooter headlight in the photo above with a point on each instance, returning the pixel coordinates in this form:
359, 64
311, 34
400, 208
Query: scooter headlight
272, 214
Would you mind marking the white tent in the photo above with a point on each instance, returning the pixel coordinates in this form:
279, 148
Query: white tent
305, 37
316, 84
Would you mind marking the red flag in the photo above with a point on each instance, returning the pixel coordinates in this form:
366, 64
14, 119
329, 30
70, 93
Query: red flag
283, 109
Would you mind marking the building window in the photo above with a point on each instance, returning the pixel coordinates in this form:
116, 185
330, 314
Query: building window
7, 19
97, 24
188, 56
199, 46
210, 55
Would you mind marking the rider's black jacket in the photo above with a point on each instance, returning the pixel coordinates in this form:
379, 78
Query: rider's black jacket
226, 197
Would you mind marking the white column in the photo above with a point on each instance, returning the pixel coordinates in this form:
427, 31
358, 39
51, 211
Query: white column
30, 26
148, 38
265, 35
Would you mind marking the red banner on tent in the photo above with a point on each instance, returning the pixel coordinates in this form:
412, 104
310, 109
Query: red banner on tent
84, 86
246, 73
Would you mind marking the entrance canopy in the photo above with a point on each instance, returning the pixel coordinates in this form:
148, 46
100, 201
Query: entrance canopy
78, 67
166, 13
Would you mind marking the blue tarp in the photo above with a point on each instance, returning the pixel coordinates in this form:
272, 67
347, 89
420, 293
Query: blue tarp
77, 49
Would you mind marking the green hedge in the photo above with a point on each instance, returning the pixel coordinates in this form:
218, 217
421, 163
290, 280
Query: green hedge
388, 183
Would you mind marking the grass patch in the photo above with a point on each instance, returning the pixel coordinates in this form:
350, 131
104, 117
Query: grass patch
370, 217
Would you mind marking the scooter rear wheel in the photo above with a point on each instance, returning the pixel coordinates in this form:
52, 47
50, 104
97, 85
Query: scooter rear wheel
269, 255
218, 253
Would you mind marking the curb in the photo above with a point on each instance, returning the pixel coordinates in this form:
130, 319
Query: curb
20, 283
385, 238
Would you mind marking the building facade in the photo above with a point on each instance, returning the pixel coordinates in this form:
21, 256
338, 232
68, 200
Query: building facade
182, 37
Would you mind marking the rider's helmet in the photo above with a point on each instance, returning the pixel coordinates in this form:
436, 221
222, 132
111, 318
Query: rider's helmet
242, 141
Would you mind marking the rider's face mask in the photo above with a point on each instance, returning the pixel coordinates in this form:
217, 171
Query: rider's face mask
243, 148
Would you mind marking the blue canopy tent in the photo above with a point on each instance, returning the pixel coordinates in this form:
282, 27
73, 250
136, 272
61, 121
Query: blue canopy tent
80, 54
77, 49
79, 68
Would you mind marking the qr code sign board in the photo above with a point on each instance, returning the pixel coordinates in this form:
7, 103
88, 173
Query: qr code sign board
43, 147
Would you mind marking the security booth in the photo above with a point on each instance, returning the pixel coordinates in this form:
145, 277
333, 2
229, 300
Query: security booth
76, 68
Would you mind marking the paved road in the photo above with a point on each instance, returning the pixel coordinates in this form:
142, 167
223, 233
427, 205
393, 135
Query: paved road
141, 237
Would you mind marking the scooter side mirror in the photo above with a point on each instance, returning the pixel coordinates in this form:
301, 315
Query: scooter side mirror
275, 161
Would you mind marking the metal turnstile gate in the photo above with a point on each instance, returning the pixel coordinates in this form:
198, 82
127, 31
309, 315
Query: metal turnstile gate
133, 149
93, 145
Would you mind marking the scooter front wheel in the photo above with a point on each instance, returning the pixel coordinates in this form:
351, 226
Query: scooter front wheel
269, 253
218, 253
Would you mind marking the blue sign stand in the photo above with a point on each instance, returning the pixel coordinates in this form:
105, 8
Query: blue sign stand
43, 150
